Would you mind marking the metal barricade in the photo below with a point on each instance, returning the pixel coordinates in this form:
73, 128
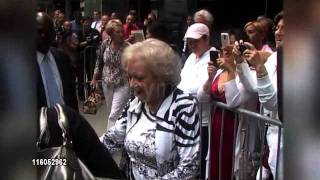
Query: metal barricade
89, 60
239, 114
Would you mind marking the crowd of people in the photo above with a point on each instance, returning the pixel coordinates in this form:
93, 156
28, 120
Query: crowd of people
160, 104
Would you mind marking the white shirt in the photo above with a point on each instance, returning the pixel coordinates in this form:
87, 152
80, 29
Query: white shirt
193, 76
140, 146
96, 25
266, 86
52, 62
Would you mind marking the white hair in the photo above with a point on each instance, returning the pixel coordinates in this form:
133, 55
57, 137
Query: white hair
158, 57
204, 15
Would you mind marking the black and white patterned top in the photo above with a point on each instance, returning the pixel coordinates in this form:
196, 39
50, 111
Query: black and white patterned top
169, 146
140, 146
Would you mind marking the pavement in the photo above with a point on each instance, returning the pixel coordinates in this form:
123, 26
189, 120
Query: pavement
99, 124
99, 120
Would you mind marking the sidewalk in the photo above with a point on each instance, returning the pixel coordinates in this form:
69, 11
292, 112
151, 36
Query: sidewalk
99, 124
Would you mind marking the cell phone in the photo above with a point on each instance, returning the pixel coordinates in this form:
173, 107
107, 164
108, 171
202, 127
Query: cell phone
214, 55
242, 48
225, 40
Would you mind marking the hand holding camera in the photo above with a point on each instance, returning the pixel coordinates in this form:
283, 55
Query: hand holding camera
89, 39
253, 56
92, 39
238, 49
242, 47
214, 55
213, 65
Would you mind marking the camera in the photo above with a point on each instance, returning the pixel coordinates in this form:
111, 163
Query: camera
214, 55
242, 48
225, 40
91, 39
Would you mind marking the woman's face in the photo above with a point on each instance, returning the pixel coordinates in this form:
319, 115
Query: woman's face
117, 34
232, 38
253, 35
279, 33
189, 20
197, 46
104, 20
227, 54
129, 19
142, 82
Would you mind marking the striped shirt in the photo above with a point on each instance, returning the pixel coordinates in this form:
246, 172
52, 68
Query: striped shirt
177, 135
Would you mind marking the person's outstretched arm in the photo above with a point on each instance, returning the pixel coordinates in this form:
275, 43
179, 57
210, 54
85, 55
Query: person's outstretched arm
86, 144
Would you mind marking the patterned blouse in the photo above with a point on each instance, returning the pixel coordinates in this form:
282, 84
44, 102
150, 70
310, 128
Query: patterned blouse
140, 146
165, 145
109, 61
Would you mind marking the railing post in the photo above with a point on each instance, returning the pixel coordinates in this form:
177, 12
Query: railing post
253, 117
221, 143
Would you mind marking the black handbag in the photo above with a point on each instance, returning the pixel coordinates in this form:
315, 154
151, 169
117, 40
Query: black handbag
59, 163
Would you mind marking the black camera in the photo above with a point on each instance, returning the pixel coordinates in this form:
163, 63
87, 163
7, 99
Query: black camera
89, 39
242, 48
92, 39
214, 55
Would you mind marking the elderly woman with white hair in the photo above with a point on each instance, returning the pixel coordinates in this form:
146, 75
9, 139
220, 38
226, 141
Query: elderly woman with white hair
160, 127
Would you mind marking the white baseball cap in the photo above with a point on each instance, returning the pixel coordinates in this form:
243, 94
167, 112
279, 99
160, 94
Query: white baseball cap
196, 31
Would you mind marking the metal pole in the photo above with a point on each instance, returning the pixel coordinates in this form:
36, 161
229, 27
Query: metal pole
68, 10
101, 8
278, 154
266, 9
236, 119
221, 144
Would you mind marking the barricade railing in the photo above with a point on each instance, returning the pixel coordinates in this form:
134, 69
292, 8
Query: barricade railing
89, 60
250, 117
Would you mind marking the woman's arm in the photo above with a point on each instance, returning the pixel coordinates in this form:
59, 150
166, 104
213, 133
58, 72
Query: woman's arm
266, 90
266, 80
203, 93
85, 143
246, 77
187, 138
236, 94
99, 63
113, 139
232, 94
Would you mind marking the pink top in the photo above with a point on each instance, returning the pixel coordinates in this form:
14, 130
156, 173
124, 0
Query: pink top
266, 48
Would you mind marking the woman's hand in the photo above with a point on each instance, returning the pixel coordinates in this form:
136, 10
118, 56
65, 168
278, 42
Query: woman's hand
130, 39
252, 55
237, 53
225, 64
212, 70
93, 82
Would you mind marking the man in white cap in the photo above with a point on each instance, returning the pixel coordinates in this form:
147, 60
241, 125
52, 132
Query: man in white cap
194, 74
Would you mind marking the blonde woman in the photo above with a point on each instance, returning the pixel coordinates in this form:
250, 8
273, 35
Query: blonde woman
115, 81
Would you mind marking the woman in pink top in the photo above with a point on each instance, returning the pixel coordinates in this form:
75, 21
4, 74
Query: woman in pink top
257, 35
